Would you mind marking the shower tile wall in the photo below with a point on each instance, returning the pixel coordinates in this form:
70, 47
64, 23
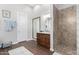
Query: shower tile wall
65, 30
55, 30
77, 29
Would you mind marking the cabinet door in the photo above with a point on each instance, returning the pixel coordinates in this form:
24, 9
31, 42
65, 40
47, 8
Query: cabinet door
43, 40
47, 39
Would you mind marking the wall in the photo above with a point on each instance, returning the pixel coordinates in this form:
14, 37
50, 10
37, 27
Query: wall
65, 31
21, 12
24, 28
21, 25
77, 9
24, 31
40, 12
55, 26
7, 36
51, 30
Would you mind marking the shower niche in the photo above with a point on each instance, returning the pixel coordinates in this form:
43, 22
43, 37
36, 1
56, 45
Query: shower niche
65, 30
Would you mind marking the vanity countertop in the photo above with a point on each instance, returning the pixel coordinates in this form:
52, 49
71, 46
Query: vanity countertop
44, 32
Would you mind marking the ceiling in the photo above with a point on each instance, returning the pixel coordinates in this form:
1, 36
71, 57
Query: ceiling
59, 6
35, 5
62, 6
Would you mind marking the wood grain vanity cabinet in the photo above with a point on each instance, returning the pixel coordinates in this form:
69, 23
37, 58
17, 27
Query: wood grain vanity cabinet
43, 39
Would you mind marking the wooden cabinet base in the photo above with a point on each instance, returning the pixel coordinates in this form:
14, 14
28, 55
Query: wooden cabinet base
43, 40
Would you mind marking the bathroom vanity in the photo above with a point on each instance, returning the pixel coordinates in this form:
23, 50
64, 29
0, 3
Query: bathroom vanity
43, 39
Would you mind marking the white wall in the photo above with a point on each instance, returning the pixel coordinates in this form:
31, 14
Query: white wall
21, 12
51, 31
21, 26
41, 11
7, 36
24, 31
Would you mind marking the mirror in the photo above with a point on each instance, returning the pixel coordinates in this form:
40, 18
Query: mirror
45, 23
41, 24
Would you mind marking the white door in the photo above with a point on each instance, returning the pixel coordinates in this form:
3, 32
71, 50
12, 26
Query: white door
35, 27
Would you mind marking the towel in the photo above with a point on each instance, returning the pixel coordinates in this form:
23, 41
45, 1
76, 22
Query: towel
9, 25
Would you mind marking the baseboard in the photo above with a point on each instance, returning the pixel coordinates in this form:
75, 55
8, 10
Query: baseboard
14, 42
21, 41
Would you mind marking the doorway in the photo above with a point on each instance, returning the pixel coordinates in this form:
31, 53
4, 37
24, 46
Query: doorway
35, 27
